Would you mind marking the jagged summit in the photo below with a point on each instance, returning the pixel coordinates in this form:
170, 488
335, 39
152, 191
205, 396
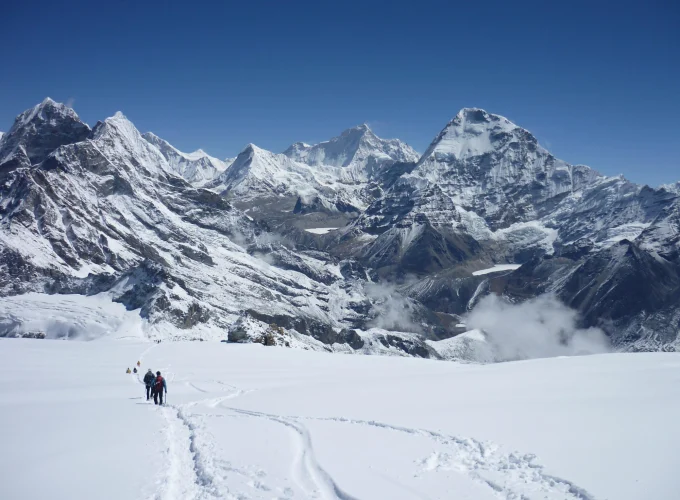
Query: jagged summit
119, 128
39, 130
120, 120
46, 110
198, 167
484, 161
473, 132
358, 129
357, 149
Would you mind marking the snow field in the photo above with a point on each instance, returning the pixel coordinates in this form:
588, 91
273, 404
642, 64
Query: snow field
497, 268
320, 230
77, 317
251, 422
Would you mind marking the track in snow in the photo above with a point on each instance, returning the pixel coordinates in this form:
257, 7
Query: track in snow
306, 470
181, 480
511, 476
189, 475
195, 470
191, 461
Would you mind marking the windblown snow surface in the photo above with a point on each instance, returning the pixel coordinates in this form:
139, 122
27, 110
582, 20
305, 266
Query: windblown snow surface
255, 422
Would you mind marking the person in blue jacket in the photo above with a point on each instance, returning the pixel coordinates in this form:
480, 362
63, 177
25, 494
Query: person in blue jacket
149, 379
159, 386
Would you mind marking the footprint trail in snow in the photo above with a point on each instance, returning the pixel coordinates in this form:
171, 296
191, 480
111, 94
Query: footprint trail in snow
196, 469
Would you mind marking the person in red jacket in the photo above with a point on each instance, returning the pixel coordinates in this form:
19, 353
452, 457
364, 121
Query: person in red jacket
159, 386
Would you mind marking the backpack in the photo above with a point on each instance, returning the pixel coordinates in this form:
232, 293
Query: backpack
158, 385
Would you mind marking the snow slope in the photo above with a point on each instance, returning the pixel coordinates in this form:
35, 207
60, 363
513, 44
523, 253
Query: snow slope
69, 317
251, 422
497, 268
320, 230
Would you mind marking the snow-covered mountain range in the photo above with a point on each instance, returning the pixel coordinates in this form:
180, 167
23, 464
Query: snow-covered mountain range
207, 248
198, 167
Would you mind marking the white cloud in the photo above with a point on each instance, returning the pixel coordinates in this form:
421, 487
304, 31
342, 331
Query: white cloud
538, 328
392, 310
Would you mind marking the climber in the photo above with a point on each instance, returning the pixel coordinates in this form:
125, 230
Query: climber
128, 370
148, 382
134, 370
139, 363
158, 386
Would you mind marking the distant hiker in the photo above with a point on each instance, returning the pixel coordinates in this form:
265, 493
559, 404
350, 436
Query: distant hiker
158, 386
134, 370
139, 363
128, 370
149, 378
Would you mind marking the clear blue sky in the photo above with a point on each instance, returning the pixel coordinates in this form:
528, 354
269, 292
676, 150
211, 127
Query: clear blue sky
597, 82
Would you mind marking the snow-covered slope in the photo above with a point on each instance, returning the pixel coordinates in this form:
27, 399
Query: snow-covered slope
198, 167
72, 317
252, 422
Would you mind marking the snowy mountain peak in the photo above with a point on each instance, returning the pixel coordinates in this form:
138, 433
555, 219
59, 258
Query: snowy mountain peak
165, 147
473, 132
47, 110
197, 168
41, 129
359, 130
475, 116
117, 124
357, 148
250, 150
297, 149
48, 101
